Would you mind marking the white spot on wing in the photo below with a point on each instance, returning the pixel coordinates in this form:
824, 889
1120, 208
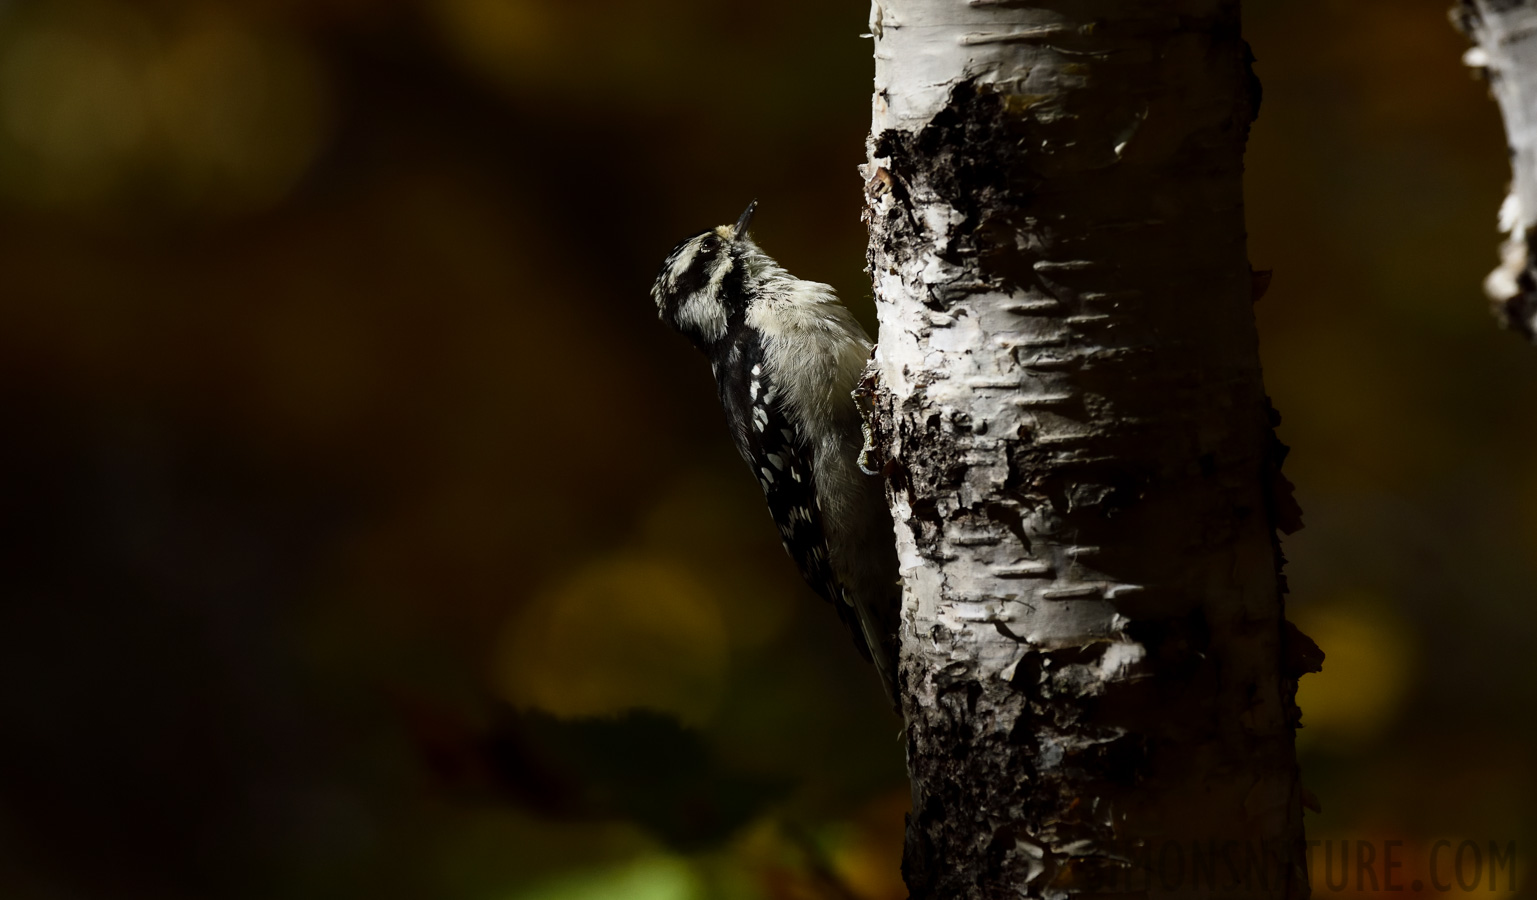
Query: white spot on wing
811, 385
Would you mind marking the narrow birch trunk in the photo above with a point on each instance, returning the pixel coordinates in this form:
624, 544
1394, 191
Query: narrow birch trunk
1096, 669
1506, 32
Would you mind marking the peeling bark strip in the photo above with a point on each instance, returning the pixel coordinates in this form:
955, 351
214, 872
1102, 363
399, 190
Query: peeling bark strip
1506, 32
1085, 484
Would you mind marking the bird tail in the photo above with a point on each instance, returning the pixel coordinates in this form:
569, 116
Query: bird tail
881, 646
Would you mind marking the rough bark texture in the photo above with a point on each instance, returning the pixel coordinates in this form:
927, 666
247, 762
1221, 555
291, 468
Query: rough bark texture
1096, 669
1506, 32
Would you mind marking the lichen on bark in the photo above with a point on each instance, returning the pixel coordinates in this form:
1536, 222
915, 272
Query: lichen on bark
1081, 463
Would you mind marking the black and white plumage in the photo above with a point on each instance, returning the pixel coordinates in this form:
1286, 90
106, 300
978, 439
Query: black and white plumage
786, 356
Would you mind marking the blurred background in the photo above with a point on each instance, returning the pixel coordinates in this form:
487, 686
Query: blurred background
353, 501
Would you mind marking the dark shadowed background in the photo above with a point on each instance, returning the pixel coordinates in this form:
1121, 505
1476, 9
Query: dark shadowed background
350, 489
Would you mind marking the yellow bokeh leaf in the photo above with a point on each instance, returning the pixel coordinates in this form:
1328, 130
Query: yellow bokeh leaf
622, 633
1366, 670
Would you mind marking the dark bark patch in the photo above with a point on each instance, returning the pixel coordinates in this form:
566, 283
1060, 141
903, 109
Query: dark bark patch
970, 155
1012, 519
1300, 655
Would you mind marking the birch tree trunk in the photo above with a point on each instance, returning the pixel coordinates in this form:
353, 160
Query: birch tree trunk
1506, 32
1098, 678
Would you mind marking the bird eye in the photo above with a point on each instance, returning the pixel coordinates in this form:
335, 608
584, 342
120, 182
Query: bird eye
710, 244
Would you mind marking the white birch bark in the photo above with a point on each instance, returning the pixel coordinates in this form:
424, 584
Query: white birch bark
1506, 51
1081, 465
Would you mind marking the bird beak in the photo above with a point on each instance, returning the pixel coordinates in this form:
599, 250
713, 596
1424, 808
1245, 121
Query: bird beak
746, 219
